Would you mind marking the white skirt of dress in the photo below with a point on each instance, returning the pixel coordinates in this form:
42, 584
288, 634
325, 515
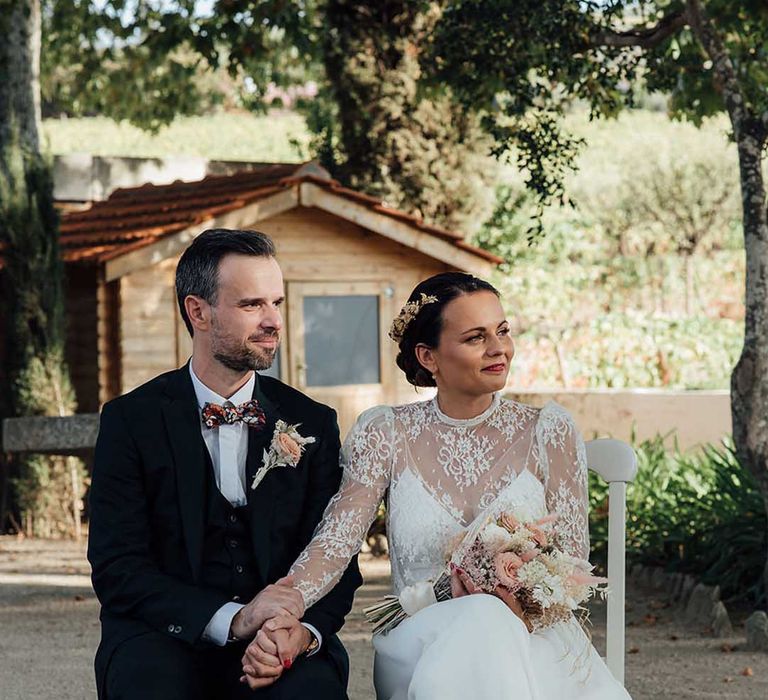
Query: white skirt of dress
475, 647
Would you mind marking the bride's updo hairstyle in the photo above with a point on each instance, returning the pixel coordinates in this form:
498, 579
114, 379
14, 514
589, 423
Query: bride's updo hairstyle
425, 325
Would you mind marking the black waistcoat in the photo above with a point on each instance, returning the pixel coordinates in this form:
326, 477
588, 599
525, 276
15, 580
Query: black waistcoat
228, 562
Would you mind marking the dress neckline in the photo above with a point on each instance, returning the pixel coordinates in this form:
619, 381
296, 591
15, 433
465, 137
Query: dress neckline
467, 422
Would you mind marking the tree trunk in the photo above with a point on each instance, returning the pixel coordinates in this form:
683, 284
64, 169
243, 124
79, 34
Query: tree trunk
48, 490
749, 381
20, 68
689, 291
562, 362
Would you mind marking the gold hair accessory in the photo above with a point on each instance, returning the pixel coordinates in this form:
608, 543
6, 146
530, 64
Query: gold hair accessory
407, 314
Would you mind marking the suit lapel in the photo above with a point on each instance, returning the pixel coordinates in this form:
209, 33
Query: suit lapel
182, 421
260, 499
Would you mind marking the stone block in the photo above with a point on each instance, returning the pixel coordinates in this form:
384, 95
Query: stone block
757, 631
675, 586
698, 611
51, 435
721, 622
658, 579
685, 590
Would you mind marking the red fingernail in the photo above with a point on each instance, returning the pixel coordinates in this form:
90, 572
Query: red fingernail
287, 664
453, 566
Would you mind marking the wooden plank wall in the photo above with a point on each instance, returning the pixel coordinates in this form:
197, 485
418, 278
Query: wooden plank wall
312, 246
81, 349
147, 324
109, 322
4, 407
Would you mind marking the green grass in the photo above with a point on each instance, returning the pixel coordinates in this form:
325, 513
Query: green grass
274, 137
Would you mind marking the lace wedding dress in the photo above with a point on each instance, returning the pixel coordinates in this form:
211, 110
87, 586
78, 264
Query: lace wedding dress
442, 474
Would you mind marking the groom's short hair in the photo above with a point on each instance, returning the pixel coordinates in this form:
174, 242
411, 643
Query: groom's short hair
197, 273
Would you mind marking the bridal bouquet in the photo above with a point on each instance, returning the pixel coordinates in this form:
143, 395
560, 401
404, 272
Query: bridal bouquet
508, 552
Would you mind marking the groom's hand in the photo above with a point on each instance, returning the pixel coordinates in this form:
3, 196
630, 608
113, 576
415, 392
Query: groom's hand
273, 651
261, 664
278, 599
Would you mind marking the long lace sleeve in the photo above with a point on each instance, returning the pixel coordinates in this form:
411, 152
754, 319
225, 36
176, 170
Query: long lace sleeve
366, 458
562, 464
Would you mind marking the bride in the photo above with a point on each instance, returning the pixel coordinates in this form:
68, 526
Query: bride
443, 464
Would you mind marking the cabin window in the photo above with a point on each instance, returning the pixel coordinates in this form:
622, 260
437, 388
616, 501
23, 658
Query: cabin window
335, 337
341, 339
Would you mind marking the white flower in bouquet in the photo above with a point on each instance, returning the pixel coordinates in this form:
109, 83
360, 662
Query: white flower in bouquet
495, 538
520, 541
532, 573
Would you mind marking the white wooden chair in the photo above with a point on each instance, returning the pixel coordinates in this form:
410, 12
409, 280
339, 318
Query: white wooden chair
616, 462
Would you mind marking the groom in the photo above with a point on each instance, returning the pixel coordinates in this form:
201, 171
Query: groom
187, 558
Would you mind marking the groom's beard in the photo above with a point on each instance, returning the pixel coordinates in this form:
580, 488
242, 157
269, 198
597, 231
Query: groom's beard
237, 355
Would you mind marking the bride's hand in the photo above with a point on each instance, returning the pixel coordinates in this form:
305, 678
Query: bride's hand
461, 584
511, 601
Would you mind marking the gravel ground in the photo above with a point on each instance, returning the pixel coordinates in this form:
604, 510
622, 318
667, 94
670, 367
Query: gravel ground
49, 632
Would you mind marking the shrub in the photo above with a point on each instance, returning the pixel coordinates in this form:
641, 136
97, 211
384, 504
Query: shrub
695, 513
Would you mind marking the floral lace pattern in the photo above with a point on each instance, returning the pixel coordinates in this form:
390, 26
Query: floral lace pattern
414, 417
442, 474
511, 417
368, 453
465, 457
562, 460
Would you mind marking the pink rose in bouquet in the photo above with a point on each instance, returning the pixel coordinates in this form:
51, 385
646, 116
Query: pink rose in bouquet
509, 555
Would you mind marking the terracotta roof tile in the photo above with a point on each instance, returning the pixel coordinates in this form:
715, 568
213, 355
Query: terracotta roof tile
490, 257
438, 231
396, 214
135, 217
355, 195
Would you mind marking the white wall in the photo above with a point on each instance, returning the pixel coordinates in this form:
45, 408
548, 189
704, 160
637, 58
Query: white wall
81, 177
698, 417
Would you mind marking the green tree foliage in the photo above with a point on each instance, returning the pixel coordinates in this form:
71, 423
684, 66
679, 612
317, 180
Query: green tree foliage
374, 129
420, 152
521, 64
680, 195
606, 298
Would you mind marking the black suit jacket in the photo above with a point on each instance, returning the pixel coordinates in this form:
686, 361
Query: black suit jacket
147, 509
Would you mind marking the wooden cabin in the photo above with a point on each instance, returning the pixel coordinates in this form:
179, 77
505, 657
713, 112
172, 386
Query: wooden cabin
349, 263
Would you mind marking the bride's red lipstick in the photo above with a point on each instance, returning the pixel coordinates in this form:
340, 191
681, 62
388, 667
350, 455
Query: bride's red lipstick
498, 368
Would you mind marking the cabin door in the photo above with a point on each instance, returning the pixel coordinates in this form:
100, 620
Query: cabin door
337, 344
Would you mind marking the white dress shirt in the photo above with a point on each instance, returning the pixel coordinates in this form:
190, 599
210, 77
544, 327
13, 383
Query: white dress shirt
227, 444
228, 447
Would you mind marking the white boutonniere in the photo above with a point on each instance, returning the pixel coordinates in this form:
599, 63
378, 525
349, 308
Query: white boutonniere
285, 450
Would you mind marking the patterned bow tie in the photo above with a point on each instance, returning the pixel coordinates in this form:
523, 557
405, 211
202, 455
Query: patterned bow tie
249, 413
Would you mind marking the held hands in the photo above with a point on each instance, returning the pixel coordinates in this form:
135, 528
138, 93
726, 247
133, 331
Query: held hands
276, 646
462, 585
276, 600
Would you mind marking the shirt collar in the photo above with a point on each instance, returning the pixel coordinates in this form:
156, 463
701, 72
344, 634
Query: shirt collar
205, 395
